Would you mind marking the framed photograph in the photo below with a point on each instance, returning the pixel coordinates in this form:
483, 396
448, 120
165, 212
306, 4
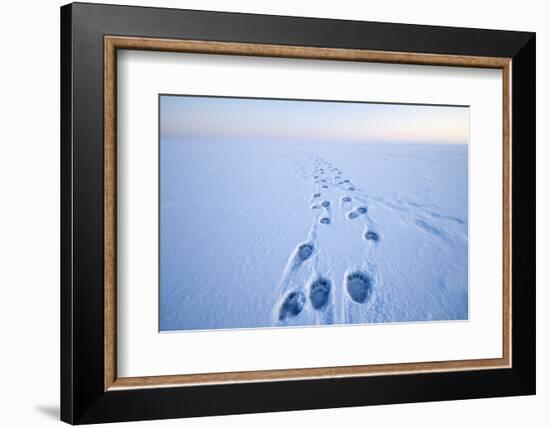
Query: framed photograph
265, 213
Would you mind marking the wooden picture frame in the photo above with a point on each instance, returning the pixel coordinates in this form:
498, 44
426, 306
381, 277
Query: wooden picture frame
91, 391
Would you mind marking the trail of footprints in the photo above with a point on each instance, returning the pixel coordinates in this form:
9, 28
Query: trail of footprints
317, 293
359, 288
358, 285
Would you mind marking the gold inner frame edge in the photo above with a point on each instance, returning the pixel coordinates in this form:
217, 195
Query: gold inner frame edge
113, 43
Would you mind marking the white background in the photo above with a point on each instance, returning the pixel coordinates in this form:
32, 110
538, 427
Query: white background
144, 352
29, 218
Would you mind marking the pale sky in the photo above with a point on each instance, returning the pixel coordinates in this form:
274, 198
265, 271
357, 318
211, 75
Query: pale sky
240, 118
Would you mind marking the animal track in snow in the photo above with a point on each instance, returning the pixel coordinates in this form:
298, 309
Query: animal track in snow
297, 291
319, 293
292, 305
455, 219
371, 236
359, 286
324, 220
428, 227
444, 217
304, 252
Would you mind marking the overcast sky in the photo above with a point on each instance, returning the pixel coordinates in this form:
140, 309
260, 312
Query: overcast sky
239, 118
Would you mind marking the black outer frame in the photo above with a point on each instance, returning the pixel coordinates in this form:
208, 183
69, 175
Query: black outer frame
83, 399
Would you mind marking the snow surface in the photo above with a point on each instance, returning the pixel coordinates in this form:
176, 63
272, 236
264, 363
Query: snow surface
271, 233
